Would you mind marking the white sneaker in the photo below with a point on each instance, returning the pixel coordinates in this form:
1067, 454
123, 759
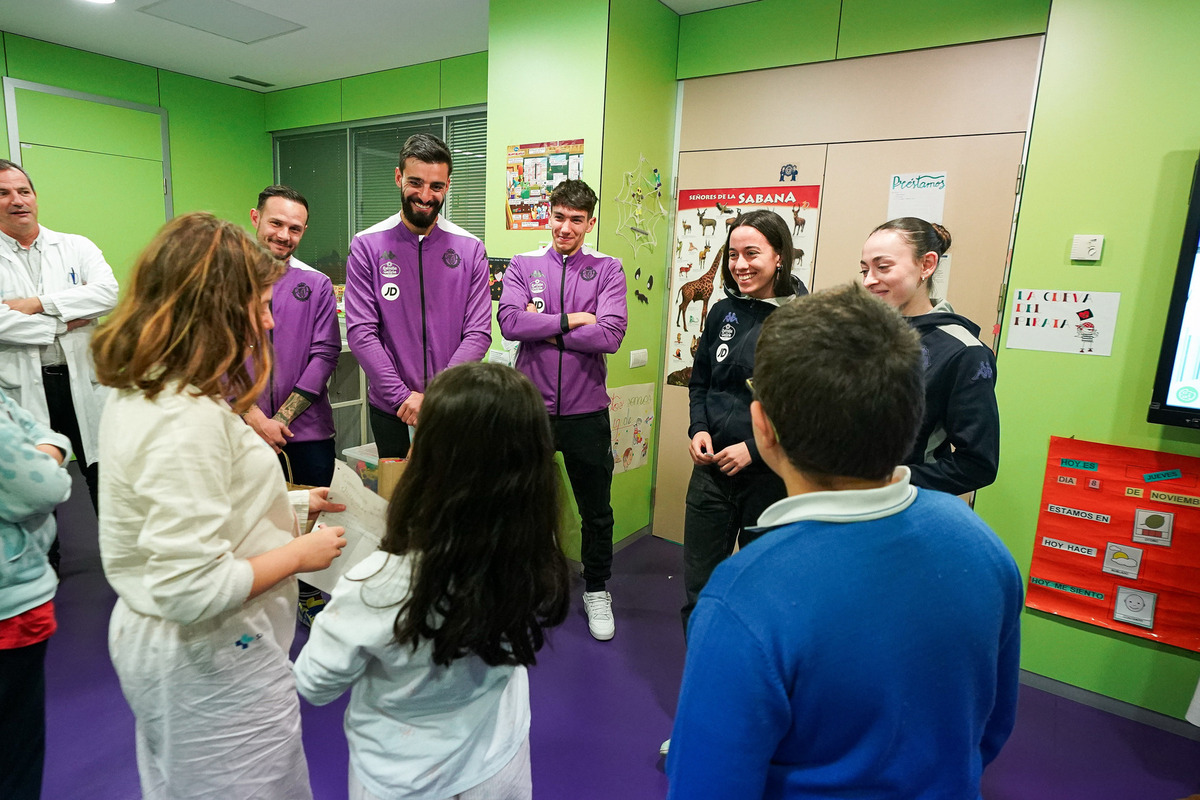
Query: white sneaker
599, 613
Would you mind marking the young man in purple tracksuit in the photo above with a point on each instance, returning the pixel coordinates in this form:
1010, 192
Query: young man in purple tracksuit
417, 296
566, 305
293, 415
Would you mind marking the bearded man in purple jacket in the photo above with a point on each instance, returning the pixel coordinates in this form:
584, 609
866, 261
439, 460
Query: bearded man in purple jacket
293, 414
566, 305
417, 296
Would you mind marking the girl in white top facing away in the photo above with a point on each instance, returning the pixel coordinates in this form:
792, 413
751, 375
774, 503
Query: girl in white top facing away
197, 537
432, 633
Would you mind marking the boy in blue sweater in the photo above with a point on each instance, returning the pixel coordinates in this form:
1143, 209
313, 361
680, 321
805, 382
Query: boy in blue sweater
866, 646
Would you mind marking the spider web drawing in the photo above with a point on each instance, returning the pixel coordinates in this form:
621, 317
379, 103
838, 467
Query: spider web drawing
640, 202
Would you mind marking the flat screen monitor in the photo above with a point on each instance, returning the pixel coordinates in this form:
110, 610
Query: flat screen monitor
1176, 398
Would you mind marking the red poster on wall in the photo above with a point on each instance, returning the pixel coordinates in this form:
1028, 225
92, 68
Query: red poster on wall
1118, 541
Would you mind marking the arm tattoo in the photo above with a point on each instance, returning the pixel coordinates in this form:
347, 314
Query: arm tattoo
294, 406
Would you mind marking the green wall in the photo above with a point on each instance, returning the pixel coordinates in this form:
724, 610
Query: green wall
1122, 170
220, 150
639, 121
537, 94
617, 93
778, 33
448, 83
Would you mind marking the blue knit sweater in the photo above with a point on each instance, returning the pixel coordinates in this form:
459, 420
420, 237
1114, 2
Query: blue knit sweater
31, 485
858, 658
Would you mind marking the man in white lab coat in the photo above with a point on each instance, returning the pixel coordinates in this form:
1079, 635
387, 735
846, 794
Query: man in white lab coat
53, 286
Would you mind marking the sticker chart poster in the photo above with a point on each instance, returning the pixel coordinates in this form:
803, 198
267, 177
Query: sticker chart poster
631, 412
702, 222
533, 172
1063, 322
1118, 541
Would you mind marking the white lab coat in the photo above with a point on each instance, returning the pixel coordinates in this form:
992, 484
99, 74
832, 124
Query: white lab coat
76, 278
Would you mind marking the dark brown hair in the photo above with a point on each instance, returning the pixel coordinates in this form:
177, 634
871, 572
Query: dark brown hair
778, 235
923, 237
277, 190
478, 511
840, 375
191, 314
574, 194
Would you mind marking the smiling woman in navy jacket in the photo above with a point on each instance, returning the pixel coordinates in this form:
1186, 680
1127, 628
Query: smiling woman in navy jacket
730, 484
958, 445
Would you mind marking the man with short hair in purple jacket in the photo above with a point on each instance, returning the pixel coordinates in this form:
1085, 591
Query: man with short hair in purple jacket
293, 414
566, 305
417, 296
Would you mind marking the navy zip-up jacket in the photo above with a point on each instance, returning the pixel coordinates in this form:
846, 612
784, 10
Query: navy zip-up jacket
958, 445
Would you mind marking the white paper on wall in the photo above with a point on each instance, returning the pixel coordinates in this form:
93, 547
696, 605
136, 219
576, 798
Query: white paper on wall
1063, 321
918, 194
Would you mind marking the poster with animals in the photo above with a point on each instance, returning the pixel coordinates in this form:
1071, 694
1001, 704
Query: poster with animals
702, 224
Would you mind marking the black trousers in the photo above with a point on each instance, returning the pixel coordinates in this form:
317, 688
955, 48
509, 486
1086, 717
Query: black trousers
719, 509
391, 434
312, 462
56, 381
22, 721
586, 444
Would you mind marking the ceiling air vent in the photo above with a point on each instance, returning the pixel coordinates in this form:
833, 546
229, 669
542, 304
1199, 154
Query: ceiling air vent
251, 81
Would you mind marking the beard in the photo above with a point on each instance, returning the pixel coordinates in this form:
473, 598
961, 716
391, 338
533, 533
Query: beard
419, 218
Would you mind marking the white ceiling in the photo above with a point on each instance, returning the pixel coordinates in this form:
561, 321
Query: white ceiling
338, 38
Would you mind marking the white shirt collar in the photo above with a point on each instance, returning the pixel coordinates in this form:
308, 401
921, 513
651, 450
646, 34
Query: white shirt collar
15, 245
851, 505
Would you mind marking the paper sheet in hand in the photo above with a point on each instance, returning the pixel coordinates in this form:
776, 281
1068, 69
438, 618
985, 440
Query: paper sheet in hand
364, 520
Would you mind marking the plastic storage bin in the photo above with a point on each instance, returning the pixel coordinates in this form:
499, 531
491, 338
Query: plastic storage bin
365, 461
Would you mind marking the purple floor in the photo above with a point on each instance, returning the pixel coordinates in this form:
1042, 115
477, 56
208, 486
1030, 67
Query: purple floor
600, 709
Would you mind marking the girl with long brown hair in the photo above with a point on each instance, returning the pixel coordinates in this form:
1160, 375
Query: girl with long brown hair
432, 633
197, 537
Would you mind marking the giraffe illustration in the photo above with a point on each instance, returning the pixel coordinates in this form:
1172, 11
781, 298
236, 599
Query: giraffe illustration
700, 289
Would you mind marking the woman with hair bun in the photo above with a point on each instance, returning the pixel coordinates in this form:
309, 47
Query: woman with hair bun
958, 445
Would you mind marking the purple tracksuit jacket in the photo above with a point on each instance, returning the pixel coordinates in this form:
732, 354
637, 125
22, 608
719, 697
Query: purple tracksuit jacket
415, 306
307, 343
569, 372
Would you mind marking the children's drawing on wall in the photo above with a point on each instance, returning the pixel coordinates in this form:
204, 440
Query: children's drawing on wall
1063, 322
702, 224
631, 412
533, 170
496, 267
641, 206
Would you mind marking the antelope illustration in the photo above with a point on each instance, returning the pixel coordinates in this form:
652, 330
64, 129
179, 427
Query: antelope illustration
706, 223
799, 229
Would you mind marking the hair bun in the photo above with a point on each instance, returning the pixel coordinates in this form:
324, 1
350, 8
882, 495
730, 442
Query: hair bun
943, 236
